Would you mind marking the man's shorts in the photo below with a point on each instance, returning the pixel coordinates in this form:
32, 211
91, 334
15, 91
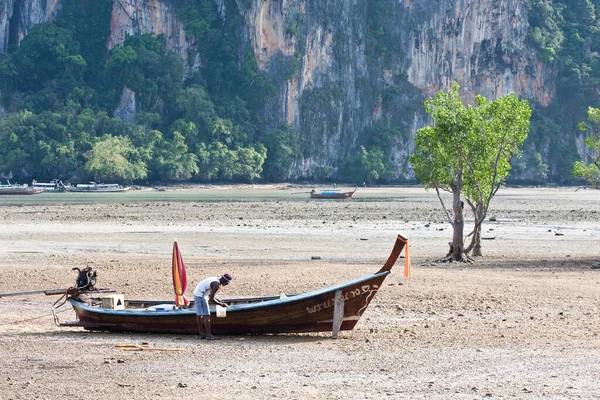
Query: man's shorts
201, 305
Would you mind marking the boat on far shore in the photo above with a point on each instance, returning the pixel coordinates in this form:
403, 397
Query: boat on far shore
16, 189
54, 185
332, 194
94, 187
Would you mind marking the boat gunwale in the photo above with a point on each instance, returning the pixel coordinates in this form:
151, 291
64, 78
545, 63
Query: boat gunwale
76, 302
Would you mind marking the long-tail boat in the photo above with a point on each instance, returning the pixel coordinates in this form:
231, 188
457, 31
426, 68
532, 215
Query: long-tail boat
330, 309
94, 187
15, 189
331, 194
55, 185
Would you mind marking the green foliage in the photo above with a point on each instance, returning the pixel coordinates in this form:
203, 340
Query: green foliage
76, 141
502, 127
58, 160
8, 75
565, 34
531, 167
443, 148
545, 31
44, 55
230, 74
219, 163
45, 69
115, 158
382, 136
144, 65
322, 172
467, 152
249, 162
90, 23
170, 160
590, 170
18, 140
200, 18
469, 148
370, 162
366, 166
196, 106
281, 145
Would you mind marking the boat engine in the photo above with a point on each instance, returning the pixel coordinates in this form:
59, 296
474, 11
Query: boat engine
86, 278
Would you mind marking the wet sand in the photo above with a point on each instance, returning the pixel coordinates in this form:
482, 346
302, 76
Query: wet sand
520, 322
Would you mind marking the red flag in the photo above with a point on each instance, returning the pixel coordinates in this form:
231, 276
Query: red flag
179, 278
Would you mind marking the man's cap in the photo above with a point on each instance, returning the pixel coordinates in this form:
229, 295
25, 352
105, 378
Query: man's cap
227, 278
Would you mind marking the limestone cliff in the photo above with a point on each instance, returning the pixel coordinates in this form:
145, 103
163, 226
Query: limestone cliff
17, 17
479, 43
131, 17
334, 77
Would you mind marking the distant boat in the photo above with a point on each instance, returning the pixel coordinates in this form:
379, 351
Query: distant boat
94, 187
14, 189
331, 194
53, 186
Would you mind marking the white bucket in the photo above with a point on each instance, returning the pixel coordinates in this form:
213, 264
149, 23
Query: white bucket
221, 312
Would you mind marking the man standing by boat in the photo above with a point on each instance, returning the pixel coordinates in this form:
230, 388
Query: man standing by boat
205, 291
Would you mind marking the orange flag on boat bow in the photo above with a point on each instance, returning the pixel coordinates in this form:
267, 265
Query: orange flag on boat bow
407, 270
179, 278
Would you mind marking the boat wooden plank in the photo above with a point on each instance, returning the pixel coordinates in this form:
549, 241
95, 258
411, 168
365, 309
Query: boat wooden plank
338, 313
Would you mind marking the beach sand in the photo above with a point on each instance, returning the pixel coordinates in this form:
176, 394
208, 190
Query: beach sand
521, 322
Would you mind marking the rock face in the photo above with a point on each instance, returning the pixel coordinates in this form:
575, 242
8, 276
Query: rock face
132, 17
340, 90
127, 107
334, 78
481, 45
17, 17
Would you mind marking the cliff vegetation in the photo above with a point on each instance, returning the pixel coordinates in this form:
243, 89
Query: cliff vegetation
275, 90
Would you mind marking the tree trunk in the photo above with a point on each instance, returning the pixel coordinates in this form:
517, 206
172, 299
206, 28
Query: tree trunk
477, 239
479, 217
458, 226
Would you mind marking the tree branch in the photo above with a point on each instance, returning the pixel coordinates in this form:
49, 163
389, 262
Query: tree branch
443, 205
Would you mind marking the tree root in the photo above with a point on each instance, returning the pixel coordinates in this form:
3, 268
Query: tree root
463, 259
452, 257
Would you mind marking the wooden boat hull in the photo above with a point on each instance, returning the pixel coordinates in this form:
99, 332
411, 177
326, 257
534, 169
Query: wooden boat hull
92, 190
312, 312
20, 192
308, 312
346, 195
52, 189
338, 196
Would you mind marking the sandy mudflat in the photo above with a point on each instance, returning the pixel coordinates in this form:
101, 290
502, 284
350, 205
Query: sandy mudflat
522, 322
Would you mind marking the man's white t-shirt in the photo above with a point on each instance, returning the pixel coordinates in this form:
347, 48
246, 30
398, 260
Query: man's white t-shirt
203, 288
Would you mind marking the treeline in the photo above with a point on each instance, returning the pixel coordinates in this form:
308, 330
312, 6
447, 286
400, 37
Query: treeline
60, 89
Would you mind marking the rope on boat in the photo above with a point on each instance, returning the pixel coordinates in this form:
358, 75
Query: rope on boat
54, 312
62, 300
55, 309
